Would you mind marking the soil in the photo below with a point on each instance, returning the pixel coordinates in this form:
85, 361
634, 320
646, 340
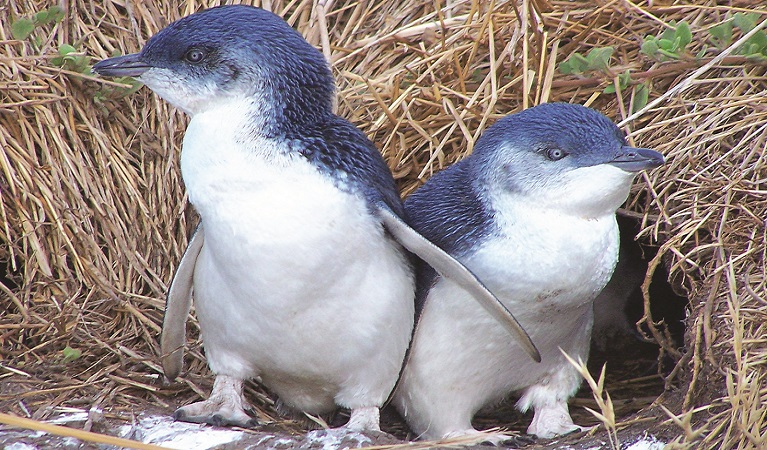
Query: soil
632, 381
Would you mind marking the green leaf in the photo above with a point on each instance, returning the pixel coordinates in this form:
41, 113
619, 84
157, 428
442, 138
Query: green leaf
641, 96
70, 354
579, 62
745, 21
53, 14
624, 79
565, 68
599, 58
650, 47
22, 28
41, 18
65, 49
79, 63
684, 34
758, 42
576, 63
668, 54
56, 13
669, 33
721, 34
135, 84
667, 45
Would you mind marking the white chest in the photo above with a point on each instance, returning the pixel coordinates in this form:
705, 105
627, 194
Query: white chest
253, 188
545, 264
297, 281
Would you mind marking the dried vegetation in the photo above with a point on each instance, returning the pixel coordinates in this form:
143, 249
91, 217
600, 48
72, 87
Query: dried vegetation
94, 216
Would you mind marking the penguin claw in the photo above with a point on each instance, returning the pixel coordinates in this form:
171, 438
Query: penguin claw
228, 418
226, 406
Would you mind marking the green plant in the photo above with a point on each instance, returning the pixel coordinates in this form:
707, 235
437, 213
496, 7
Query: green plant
23, 27
671, 44
640, 91
597, 58
130, 85
756, 45
70, 354
70, 59
721, 35
641, 97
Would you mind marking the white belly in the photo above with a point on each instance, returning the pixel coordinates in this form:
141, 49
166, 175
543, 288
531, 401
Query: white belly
296, 283
463, 359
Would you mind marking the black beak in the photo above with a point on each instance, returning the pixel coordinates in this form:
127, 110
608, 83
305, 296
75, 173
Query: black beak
122, 66
637, 159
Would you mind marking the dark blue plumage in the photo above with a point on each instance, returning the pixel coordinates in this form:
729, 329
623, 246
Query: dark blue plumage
449, 212
339, 149
239, 41
238, 45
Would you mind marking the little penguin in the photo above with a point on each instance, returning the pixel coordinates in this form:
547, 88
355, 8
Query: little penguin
299, 270
532, 212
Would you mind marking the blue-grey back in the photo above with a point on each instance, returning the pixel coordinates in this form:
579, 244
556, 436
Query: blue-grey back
449, 212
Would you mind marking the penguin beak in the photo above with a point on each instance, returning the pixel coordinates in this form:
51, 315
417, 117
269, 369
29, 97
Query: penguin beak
637, 159
122, 66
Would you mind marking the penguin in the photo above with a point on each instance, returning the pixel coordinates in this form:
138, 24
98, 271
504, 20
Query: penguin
532, 212
299, 271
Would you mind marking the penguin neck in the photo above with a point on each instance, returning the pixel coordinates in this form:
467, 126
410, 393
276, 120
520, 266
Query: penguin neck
285, 109
269, 111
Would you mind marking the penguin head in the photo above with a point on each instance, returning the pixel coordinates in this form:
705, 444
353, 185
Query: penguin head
227, 52
562, 156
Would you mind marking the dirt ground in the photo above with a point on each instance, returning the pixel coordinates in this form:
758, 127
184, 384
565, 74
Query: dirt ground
157, 427
632, 381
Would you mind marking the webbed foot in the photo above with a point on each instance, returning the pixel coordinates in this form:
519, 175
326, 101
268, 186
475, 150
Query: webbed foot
551, 421
364, 419
226, 406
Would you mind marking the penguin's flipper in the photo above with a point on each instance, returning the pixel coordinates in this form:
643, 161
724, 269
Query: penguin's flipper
449, 267
177, 306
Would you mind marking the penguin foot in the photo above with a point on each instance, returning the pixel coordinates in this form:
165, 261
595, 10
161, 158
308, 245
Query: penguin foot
225, 407
551, 421
364, 419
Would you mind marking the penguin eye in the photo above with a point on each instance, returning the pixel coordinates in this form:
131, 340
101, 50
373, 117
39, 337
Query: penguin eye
555, 154
194, 55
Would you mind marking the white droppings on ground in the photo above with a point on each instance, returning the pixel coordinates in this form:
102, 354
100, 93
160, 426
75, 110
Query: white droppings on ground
19, 446
641, 443
79, 416
282, 443
647, 443
333, 438
165, 432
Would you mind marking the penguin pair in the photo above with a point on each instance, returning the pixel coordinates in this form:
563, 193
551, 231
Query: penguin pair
300, 269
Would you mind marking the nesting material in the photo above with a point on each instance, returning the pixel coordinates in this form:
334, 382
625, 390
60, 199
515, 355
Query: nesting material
94, 217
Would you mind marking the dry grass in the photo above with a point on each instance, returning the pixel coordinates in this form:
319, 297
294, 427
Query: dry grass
94, 216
